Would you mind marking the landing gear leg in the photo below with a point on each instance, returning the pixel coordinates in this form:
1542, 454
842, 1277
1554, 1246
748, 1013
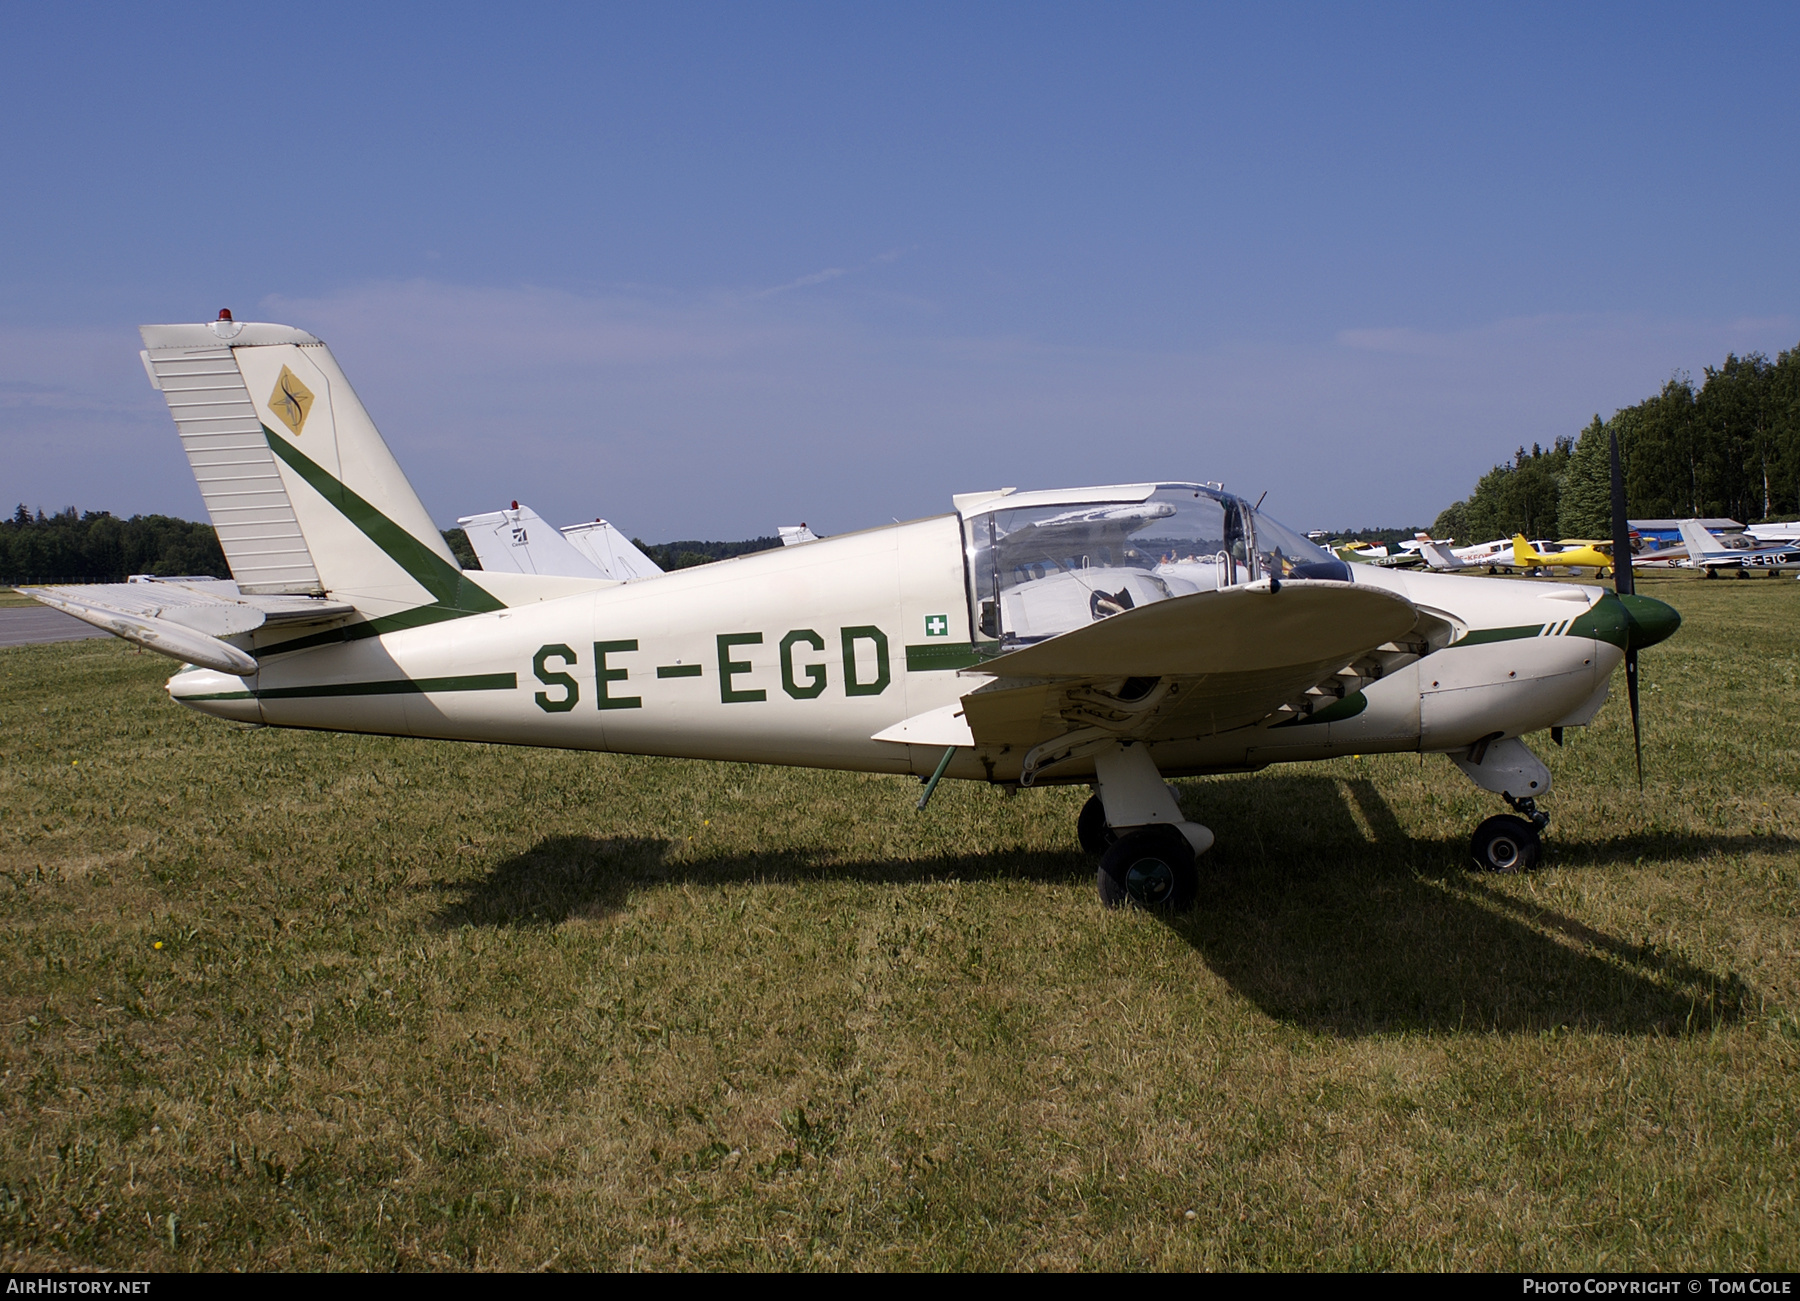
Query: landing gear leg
1510, 842
1147, 847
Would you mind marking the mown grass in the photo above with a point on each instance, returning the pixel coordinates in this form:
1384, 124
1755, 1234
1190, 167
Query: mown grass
430, 1005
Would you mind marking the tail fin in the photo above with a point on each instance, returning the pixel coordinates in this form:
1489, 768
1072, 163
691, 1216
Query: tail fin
616, 555
1701, 544
305, 495
1439, 556
518, 541
1525, 555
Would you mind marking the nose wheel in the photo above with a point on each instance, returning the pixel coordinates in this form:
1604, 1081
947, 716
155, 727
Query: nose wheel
1511, 842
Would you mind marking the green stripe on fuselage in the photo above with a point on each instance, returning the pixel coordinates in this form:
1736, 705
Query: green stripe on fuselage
1481, 636
453, 595
390, 687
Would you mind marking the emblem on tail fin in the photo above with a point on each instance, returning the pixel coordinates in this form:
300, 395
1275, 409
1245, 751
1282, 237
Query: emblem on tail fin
291, 401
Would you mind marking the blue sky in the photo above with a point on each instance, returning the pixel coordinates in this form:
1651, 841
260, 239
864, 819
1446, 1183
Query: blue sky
706, 269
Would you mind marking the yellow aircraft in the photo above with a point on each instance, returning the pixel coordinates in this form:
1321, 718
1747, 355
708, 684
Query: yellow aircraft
1527, 557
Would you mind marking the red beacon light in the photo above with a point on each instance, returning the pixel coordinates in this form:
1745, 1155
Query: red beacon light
224, 313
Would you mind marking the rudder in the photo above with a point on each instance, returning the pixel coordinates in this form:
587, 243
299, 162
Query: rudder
303, 491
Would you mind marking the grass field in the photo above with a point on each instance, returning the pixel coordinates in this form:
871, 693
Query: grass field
425, 1005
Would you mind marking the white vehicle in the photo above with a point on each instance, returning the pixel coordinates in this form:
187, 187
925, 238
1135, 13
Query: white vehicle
1108, 636
1714, 552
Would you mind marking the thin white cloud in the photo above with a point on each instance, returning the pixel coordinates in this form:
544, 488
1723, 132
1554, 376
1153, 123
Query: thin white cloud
816, 278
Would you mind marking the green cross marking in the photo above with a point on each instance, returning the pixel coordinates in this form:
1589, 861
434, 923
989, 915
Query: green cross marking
937, 625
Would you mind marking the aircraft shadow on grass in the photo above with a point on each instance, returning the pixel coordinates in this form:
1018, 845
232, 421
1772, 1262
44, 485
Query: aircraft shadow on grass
1315, 905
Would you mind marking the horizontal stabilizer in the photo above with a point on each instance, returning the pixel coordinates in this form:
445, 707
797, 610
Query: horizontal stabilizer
186, 620
160, 635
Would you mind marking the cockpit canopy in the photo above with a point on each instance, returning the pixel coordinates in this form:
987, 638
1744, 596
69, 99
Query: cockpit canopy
1044, 563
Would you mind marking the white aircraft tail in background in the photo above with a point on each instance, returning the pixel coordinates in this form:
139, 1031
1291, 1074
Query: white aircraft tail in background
1702, 546
616, 555
519, 541
1711, 552
1438, 554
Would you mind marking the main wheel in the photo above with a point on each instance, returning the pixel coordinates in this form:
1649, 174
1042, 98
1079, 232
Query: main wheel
1152, 867
1091, 829
1505, 843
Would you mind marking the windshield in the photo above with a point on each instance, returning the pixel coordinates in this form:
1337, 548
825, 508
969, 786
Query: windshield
1044, 568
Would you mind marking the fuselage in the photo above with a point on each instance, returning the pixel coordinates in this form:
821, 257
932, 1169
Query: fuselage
801, 655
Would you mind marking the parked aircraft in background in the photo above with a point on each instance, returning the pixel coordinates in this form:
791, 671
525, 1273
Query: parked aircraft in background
1110, 636
1439, 556
1591, 555
518, 541
1767, 533
1736, 551
1484, 553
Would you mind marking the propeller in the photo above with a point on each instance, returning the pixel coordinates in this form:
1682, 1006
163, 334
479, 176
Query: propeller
1624, 585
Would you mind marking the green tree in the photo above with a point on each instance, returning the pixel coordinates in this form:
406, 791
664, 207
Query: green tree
1584, 506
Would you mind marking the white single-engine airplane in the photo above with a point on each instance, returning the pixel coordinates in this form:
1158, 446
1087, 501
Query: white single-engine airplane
1112, 636
1736, 551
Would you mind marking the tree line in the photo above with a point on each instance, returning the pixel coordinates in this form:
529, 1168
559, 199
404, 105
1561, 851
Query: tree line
97, 547
1729, 447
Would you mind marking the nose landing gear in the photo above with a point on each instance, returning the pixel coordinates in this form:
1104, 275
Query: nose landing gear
1508, 843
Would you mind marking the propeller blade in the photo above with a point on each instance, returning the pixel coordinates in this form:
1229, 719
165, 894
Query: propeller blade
1621, 531
1631, 695
1624, 585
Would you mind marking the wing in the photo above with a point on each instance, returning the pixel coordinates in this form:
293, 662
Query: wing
1187, 667
187, 620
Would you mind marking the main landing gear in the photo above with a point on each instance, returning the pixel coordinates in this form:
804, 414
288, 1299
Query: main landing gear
1133, 824
1507, 842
